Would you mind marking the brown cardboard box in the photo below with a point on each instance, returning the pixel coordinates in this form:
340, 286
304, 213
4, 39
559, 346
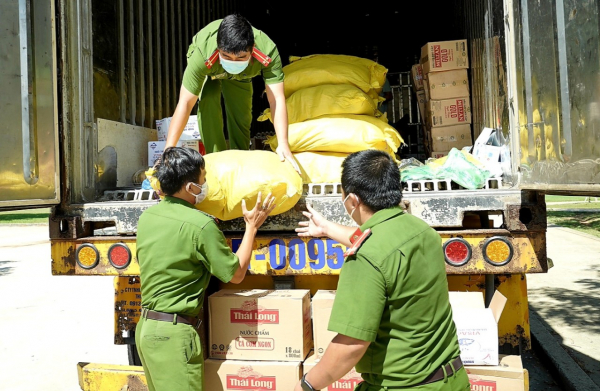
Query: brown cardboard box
448, 112
417, 76
238, 375
444, 56
422, 101
347, 382
322, 303
445, 138
260, 324
447, 84
426, 89
509, 375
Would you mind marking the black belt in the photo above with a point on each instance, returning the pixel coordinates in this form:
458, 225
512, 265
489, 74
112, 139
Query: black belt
439, 374
166, 317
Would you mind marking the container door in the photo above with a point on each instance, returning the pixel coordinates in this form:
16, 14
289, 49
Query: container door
555, 50
28, 113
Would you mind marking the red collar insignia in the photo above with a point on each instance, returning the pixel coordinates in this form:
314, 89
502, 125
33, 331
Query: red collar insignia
261, 57
212, 59
357, 239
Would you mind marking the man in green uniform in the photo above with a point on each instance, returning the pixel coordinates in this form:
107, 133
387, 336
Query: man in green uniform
178, 249
391, 311
222, 60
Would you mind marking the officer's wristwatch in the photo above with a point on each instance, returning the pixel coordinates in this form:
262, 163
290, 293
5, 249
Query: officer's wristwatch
306, 385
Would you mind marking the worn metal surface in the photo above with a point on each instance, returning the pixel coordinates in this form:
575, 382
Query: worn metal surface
439, 209
28, 105
101, 377
529, 255
128, 306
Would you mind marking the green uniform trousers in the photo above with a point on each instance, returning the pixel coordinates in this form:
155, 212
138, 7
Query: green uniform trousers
457, 382
171, 355
237, 96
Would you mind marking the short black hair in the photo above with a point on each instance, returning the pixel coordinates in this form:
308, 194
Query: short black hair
235, 34
374, 177
177, 167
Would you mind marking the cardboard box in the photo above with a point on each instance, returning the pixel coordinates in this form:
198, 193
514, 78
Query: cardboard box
226, 375
156, 148
445, 138
426, 89
422, 102
322, 303
190, 131
347, 382
444, 56
417, 76
448, 112
447, 84
260, 324
507, 376
477, 326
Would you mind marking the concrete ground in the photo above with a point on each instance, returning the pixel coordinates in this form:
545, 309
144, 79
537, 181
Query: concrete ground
565, 308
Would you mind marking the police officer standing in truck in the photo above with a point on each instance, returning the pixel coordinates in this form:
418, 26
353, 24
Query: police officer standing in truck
391, 312
221, 61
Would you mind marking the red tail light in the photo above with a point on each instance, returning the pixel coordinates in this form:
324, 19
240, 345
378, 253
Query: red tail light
119, 255
457, 252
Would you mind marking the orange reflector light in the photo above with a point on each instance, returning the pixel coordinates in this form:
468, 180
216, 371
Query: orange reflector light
119, 255
87, 256
457, 252
498, 251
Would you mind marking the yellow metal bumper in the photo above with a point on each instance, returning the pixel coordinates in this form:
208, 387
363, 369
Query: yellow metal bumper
289, 255
102, 377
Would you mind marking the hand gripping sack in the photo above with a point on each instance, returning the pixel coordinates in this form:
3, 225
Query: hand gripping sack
234, 175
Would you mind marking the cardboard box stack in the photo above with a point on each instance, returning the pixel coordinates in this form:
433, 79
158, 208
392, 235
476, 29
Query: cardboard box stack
447, 107
322, 304
190, 138
258, 338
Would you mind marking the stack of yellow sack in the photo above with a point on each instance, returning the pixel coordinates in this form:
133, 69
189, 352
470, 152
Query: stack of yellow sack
235, 175
332, 103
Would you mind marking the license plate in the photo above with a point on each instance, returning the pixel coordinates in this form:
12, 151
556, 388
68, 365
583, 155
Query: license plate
293, 255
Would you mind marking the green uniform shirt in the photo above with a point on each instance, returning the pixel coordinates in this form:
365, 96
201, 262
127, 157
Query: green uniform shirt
394, 293
178, 248
204, 45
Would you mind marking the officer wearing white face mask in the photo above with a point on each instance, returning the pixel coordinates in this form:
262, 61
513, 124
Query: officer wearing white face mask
221, 61
178, 249
401, 334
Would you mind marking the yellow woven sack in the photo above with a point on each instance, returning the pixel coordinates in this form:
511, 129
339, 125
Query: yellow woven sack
318, 69
234, 175
314, 102
338, 135
242, 174
321, 167
213, 204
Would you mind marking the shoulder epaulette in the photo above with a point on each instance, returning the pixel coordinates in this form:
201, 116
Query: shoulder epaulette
261, 57
357, 239
212, 59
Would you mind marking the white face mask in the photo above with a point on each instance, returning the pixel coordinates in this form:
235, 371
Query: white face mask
203, 192
233, 67
344, 203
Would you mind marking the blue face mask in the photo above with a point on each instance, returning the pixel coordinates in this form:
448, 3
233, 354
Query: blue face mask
233, 67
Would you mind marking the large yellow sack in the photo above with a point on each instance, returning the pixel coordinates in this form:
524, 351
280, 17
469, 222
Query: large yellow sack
341, 134
234, 175
313, 102
321, 167
318, 69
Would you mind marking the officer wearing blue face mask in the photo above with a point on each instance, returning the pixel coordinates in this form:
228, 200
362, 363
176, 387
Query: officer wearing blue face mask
221, 61
178, 249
